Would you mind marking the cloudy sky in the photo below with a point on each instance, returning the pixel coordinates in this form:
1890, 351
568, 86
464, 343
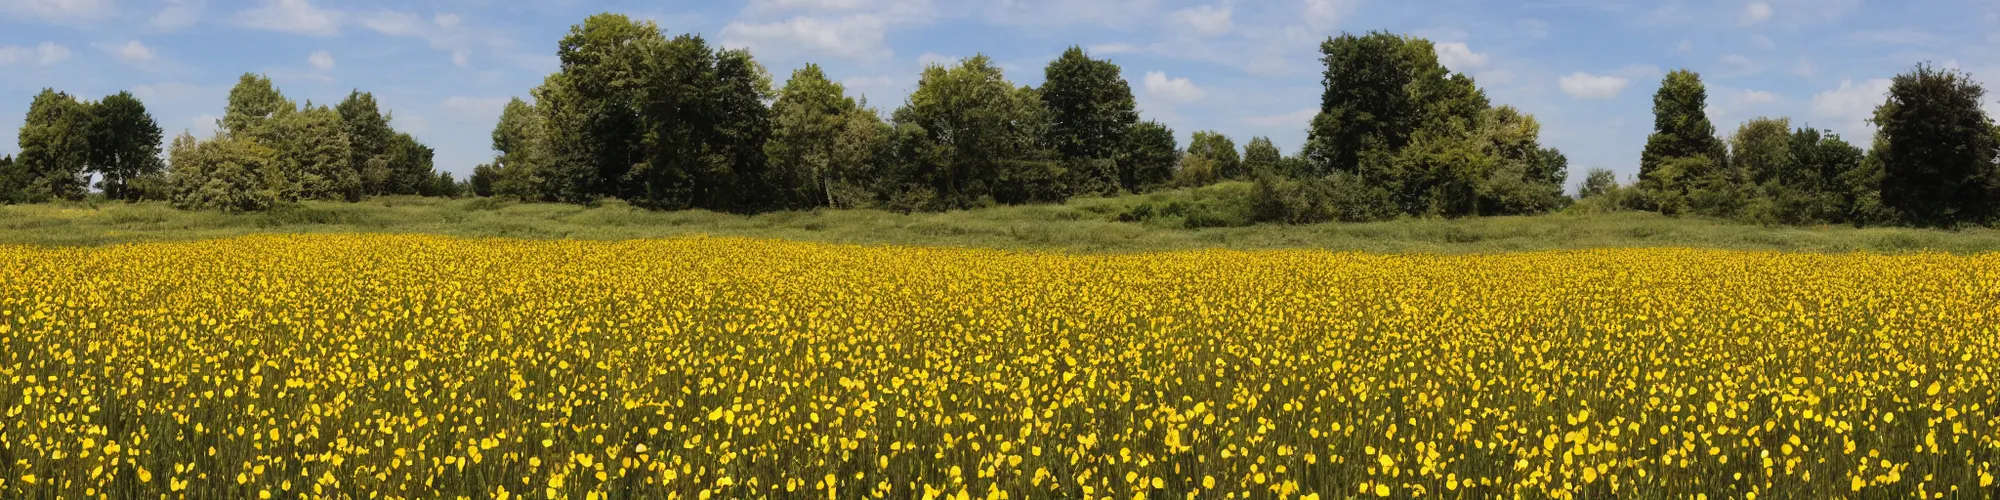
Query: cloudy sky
1586, 68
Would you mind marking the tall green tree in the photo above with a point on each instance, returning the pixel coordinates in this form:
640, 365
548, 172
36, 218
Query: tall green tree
590, 109
1218, 148
1366, 104
1682, 155
1937, 148
410, 167
1597, 182
967, 134
522, 144
1261, 157
368, 137
704, 128
1091, 111
124, 144
313, 155
55, 149
808, 119
253, 102
1151, 154
1761, 151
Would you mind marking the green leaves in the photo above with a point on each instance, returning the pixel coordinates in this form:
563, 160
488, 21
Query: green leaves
1937, 149
55, 150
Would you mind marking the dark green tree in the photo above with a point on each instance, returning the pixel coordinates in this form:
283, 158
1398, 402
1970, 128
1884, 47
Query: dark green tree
808, 119
590, 109
966, 135
1683, 154
1261, 157
1367, 103
1091, 110
124, 145
1151, 153
55, 149
481, 182
368, 138
1937, 148
410, 167
228, 173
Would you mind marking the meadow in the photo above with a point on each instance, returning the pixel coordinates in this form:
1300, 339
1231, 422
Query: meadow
408, 366
1186, 219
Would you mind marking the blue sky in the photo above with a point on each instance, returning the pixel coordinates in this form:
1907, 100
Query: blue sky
1586, 69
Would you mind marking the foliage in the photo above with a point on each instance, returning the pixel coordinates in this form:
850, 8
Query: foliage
967, 135
1937, 149
1220, 150
1337, 197
55, 150
1150, 157
124, 145
1681, 131
1260, 157
1597, 182
313, 156
818, 141
1091, 110
253, 103
369, 136
228, 173
522, 142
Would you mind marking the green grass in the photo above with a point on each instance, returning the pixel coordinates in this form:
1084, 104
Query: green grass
1110, 224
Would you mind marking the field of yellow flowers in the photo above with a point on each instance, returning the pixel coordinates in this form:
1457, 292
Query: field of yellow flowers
378, 366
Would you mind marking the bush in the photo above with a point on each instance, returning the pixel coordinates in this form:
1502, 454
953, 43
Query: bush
1337, 197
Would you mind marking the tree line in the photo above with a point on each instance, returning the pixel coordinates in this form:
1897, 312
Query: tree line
266, 150
1934, 160
672, 122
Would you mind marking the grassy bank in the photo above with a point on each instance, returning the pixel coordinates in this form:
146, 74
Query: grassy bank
1149, 222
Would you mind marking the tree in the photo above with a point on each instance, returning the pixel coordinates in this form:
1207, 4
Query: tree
808, 118
481, 182
1761, 151
1091, 111
410, 167
55, 149
1598, 182
590, 109
124, 144
703, 126
1937, 148
967, 134
228, 173
520, 139
1367, 102
1681, 130
1260, 156
1217, 147
253, 102
1151, 154
368, 137
313, 155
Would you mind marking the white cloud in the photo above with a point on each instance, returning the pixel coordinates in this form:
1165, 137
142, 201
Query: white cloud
1588, 87
10, 54
1178, 90
1205, 21
1686, 46
202, 125
297, 17
1300, 118
130, 51
476, 108
929, 59
178, 14
1114, 48
445, 20
1762, 42
857, 36
1728, 106
320, 59
1324, 15
50, 53
1757, 12
460, 56
393, 23
1458, 57
1852, 105
59, 10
